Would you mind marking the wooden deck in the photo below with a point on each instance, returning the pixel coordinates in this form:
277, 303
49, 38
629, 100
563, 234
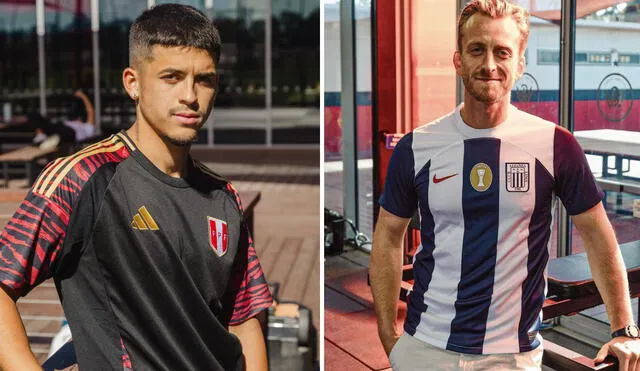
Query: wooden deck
351, 336
286, 235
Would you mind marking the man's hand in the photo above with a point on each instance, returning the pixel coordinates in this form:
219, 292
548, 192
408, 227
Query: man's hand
627, 350
79, 93
388, 341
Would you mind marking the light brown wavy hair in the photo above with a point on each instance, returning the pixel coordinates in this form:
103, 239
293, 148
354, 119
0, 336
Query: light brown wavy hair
496, 9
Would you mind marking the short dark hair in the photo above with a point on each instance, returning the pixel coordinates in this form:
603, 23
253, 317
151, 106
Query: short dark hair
172, 25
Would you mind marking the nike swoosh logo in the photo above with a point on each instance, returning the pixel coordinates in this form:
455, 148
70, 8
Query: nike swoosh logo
438, 180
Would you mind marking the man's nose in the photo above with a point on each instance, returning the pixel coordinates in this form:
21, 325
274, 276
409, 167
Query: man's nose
188, 94
489, 63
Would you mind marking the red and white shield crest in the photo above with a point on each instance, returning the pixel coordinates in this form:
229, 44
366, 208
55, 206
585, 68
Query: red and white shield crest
218, 237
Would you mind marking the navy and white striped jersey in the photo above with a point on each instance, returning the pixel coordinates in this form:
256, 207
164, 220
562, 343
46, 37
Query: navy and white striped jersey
485, 200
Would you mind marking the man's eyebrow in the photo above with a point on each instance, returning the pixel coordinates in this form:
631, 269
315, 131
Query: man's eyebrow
170, 70
207, 75
475, 43
504, 47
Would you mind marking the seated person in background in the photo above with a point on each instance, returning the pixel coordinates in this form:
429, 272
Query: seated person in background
80, 127
82, 120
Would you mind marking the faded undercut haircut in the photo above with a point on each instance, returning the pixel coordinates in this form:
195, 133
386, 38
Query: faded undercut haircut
172, 25
496, 9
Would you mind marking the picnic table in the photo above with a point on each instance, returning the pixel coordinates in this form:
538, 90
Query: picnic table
624, 147
620, 144
28, 155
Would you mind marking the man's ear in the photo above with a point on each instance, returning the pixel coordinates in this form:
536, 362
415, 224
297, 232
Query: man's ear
521, 65
457, 62
130, 82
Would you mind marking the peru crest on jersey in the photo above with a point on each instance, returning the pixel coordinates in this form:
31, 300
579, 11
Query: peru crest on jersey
218, 236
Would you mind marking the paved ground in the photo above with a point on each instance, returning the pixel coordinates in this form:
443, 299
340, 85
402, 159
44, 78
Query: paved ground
287, 225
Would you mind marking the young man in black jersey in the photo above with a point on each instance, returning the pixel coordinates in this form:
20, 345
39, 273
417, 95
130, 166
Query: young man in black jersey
148, 249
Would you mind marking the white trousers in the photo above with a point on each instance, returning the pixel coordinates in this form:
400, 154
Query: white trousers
410, 354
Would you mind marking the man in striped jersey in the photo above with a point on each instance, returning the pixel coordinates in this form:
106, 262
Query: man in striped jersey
484, 180
148, 249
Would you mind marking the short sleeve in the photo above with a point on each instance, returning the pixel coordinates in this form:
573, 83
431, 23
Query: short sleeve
30, 243
248, 286
574, 181
399, 193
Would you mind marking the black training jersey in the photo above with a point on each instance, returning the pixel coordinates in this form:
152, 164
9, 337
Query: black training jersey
151, 270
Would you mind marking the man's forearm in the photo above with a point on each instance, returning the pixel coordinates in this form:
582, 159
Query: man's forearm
385, 274
607, 266
253, 346
15, 353
610, 276
88, 106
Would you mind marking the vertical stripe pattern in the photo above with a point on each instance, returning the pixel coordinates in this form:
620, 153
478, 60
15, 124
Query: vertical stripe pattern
423, 261
516, 206
444, 201
481, 219
485, 199
534, 287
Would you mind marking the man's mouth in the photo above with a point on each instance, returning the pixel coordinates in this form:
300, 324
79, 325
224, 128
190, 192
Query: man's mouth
187, 118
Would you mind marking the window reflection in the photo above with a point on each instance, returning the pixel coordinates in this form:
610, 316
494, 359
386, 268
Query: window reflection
69, 64
116, 16
607, 110
68, 56
19, 63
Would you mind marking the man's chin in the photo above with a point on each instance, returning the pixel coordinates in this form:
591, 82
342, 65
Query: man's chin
181, 140
487, 97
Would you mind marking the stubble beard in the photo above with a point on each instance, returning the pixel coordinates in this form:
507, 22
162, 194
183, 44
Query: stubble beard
181, 142
484, 95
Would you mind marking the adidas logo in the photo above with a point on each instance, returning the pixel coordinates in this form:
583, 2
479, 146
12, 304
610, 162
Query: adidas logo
143, 220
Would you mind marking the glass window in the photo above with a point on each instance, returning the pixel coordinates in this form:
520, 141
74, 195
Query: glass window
599, 58
198, 4
19, 76
333, 174
239, 115
581, 57
363, 55
548, 56
629, 59
607, 113
68, 58
296, 71
116, 16
537, 91
606, 103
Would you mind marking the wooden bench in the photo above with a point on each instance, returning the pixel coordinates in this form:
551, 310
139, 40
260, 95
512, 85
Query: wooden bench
26, 155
